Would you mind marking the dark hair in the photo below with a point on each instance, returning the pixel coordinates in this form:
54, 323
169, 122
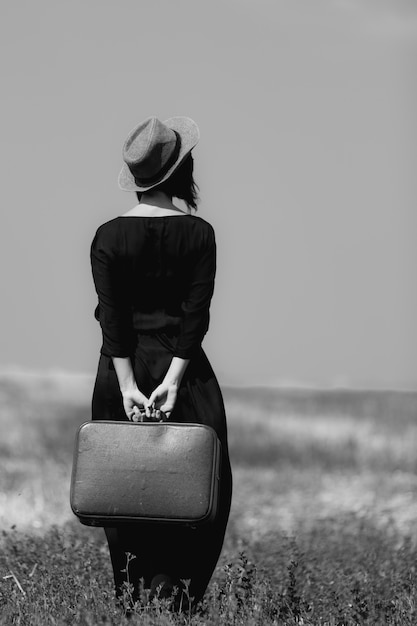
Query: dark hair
180, 184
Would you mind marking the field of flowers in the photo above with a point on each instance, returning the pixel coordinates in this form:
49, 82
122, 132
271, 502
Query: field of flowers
322, 529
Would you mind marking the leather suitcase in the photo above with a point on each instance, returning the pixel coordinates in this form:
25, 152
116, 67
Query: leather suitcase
145, 472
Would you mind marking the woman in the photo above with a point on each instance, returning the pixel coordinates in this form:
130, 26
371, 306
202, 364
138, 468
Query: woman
154, 270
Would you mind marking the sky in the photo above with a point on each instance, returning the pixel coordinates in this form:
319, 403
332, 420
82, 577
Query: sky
306, 168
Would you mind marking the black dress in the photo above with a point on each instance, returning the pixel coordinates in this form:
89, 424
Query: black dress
154, 277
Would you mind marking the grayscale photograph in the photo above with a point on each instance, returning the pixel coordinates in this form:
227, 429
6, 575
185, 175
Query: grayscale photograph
208, 331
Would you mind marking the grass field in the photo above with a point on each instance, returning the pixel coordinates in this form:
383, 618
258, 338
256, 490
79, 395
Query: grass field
322, 528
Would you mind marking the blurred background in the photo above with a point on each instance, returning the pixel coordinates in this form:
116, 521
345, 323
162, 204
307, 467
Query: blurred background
306, 167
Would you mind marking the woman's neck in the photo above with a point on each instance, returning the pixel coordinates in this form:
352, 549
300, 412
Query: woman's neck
155, 203
158, 199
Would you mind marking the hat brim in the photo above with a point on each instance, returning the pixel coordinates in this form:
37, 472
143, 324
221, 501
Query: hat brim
189, 134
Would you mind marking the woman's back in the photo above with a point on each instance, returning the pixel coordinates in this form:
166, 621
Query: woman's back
160, 270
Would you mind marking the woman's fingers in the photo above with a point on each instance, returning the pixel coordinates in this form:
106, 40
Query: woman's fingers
134, 405
136, 415
161, 416
161, 402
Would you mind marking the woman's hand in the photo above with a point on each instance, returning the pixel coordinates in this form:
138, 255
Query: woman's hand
134, 402
163, 399
133, 399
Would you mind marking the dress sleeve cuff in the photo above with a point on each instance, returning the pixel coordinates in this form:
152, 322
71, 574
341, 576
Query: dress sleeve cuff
116, 352
186, 353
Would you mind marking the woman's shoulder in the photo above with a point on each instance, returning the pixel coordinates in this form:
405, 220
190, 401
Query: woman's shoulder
200, 220
108, 226
202, 224
106, 233
109, 232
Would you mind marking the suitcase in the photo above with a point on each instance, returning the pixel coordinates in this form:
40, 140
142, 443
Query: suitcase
145, 472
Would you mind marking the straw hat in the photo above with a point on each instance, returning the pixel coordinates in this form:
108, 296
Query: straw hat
154, 150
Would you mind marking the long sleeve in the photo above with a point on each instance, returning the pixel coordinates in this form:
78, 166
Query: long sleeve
196, 305
113, 312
